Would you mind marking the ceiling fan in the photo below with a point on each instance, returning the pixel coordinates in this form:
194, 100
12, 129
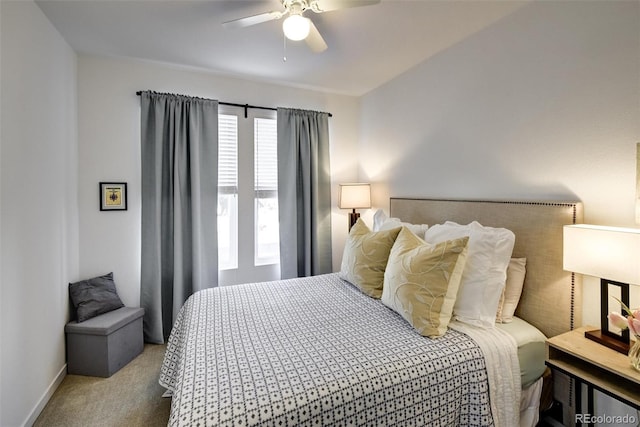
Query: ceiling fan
296, 26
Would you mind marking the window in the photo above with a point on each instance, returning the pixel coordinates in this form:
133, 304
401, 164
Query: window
267, 247
227, 191
248, 225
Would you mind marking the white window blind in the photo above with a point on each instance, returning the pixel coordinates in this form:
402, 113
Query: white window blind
227, 154
266, 158
267, 226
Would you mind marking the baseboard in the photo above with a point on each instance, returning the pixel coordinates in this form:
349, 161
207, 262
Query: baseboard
33, 416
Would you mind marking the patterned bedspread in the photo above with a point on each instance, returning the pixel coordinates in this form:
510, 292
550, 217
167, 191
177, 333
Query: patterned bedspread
316, 351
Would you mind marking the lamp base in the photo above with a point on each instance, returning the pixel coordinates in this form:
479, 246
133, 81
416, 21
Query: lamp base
619, 343
353, 218
607, 341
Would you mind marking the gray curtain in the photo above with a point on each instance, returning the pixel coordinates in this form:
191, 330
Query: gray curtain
304, 193
179, 205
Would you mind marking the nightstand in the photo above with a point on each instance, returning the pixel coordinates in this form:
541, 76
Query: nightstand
596, 366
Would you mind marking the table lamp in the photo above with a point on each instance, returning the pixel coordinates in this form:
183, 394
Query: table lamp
354, 196
613, 255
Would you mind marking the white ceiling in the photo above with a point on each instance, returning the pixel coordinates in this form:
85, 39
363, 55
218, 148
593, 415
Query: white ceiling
367, 45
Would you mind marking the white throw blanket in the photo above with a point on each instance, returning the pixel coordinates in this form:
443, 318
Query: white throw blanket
503, 369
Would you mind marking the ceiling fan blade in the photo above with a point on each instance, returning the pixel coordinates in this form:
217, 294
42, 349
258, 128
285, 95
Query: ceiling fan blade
314, 40
253, 20
329, 5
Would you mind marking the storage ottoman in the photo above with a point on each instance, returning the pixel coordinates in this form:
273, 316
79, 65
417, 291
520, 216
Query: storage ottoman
102, 345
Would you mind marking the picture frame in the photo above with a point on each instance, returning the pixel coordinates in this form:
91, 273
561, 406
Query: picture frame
113, 196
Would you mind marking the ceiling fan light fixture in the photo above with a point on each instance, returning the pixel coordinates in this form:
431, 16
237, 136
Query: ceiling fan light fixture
296, 27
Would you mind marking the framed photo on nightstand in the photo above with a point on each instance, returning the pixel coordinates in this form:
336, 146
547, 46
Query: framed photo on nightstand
113, 196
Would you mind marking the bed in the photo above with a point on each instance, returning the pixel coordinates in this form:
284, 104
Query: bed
319, 351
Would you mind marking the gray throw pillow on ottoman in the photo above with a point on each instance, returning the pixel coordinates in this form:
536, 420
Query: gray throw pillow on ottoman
93, 297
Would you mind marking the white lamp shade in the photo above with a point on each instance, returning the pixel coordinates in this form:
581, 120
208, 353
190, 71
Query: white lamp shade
296, 27
611, 253
355, 196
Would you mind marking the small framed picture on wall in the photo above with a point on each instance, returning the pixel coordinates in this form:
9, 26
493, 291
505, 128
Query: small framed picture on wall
113, 196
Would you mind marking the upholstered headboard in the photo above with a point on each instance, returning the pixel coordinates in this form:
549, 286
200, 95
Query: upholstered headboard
551, 298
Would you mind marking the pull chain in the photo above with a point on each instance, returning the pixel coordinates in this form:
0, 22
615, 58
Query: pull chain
284, 48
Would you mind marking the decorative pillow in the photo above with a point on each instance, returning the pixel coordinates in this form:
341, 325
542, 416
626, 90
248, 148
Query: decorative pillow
512, 290
94, 296
422, 280
382, 222
365, 257
485, 272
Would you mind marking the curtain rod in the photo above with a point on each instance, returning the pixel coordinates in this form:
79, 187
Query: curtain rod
232, 104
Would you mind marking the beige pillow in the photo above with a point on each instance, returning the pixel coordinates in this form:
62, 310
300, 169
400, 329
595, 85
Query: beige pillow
365, 257
512, 290
421, 281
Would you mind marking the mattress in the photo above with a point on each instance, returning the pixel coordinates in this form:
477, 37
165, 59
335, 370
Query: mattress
316, 351
531, 349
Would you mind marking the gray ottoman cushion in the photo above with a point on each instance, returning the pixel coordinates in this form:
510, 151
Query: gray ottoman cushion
102, 345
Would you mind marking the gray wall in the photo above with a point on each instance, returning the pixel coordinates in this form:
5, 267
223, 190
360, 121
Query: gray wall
39, 208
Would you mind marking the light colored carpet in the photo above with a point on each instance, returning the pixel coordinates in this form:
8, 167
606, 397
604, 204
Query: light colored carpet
130, 397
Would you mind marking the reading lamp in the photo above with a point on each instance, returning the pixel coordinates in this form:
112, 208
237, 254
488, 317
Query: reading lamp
613, 254
354, 196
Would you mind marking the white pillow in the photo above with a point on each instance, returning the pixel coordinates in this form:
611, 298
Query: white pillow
485, 272
382, 222
512, 290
